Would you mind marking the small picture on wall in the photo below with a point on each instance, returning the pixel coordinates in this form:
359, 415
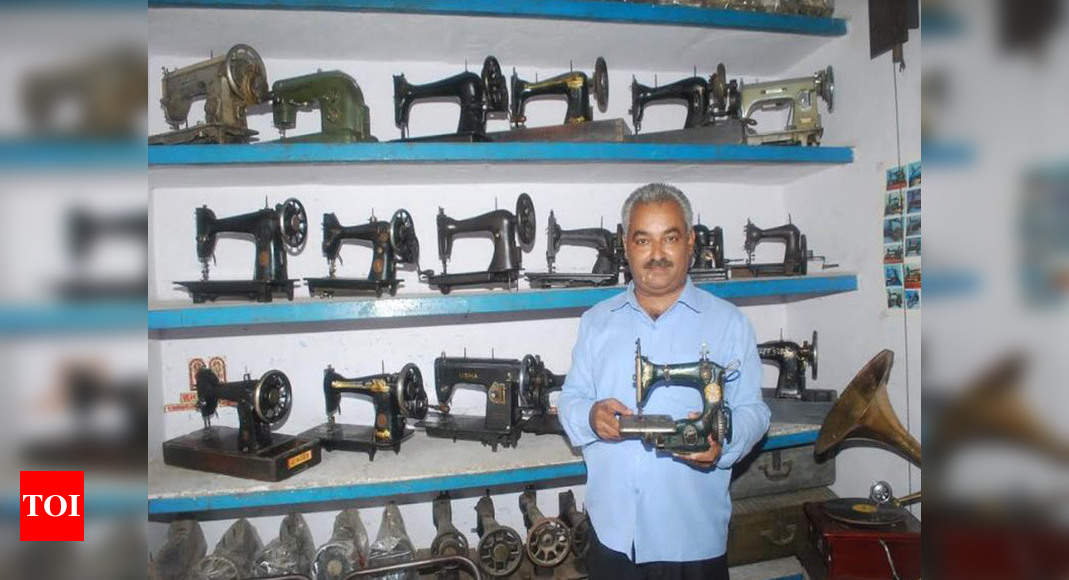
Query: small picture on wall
915, 174
913, 201
913, 246
913, 225
892, 276
892, 230
913, 299
892, 205
892, 254
896, 178
913, 275
894, 298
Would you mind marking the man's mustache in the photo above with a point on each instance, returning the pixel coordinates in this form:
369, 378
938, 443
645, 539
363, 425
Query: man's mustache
662, 263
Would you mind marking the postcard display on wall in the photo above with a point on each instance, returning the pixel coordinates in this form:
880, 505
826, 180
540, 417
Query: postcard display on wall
902, 236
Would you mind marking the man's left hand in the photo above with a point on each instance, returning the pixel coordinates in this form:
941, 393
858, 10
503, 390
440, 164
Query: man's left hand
702, 459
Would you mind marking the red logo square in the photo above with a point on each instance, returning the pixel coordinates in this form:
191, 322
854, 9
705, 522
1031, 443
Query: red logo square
51, 506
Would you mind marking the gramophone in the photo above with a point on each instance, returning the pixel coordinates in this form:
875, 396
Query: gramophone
396, 396
712, 110
791, 401
392, 242
272, 230
504, 228
799, 96
683, 435
548, 539
448, 540
479, 96
502, 379
228, 84
796, 255
251, 451
607, 265
500, 549
343, 115
540, 416
708, 261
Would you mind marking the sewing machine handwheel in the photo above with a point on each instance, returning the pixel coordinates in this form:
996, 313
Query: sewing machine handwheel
827, 86
293, 222
804, 266
601, 84
246, 73
553, 233
549, 542
525, 217
497, 89
207, 382
529, 377
500, 552
412, 397
403, 237
813, 356
273, 397
719, 87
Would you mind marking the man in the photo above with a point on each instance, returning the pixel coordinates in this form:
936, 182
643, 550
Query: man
655, 515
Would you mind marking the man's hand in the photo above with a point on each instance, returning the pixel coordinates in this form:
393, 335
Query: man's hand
702, 459
603, 418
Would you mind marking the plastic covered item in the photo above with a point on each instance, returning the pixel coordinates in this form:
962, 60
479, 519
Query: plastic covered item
392, 545
185, 546
346, 551
291, 552
234, 554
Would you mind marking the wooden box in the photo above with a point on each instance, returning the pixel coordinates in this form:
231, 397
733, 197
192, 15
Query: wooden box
839, 551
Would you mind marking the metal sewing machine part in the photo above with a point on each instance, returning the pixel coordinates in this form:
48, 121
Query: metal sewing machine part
539, 415
251, 451
500, 549
228, 84
345, 551
274, 230
392, 243
479, 96
799, 97
448, 540
796, 255
683, 435
509, 232
234, 555
548, 539
791, 401
579, 524
607, 265
343, 115
712, 110
708, 263
396, 397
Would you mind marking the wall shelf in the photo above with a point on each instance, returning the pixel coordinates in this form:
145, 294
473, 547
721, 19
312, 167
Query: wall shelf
240, 316
421, 468
71, 317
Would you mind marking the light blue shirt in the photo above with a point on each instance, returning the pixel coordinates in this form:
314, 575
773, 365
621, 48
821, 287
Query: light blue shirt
666, 509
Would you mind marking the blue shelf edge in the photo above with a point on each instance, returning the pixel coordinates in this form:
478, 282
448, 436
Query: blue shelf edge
36, 153
622, 12
460, 304
260, 499
279, 153
71, 317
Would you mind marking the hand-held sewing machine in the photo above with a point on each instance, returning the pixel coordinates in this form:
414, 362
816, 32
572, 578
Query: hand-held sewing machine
504, 228
392, 242
607, 265
272, 229
548, 539
796, 255
228, 84
479, 95
799, 96
396, 397
791, 401
343, 115
683, 435
500, 549
252, 450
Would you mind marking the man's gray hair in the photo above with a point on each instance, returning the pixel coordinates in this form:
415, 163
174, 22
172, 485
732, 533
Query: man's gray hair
656, 193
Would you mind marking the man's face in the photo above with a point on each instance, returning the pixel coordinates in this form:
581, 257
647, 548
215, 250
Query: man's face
659, 246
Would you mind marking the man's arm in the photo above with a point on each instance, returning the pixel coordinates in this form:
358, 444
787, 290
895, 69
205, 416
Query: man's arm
749, 414
579, 394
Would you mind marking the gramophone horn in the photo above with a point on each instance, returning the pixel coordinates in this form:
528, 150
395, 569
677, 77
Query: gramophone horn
864, 410
601, 84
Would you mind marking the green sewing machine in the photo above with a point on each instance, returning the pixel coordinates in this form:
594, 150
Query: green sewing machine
343, 115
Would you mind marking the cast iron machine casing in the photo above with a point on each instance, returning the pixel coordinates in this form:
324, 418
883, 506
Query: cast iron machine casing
693, 91
575, 86
540, 416
500, 549
712, 110
396, 397
796, 255
479, 96
343, 115
799, 96
682, 435
791, 401
448, 540
392, 242
272, 229
579, 523
610, 256
509, 232
708, 261
548, 539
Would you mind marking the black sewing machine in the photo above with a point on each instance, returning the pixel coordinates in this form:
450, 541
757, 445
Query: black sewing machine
791, 401
503, 380
504, 228
84, 230
607, 265
796, 256
392, 242
252, 450
343, 115
683, 435
396, 396
708, 261
479, 96
272, 230
540, 417
712, 110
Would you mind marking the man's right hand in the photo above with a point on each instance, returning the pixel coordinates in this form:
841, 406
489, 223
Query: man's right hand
603, 418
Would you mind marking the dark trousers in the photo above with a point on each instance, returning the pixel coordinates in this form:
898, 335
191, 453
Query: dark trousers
606, 564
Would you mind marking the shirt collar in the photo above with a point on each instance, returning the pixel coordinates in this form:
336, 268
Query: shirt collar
690, 297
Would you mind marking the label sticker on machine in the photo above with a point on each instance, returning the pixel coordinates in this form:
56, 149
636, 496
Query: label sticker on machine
298, 459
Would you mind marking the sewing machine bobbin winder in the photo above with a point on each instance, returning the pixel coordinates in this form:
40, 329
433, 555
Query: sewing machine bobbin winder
273, 230
343, 115
504, 228
796, 255
392, 242
607, 265
479, 95
252, 450
396, 397
791, 401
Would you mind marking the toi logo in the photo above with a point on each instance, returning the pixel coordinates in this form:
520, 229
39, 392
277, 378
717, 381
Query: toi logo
51, 506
